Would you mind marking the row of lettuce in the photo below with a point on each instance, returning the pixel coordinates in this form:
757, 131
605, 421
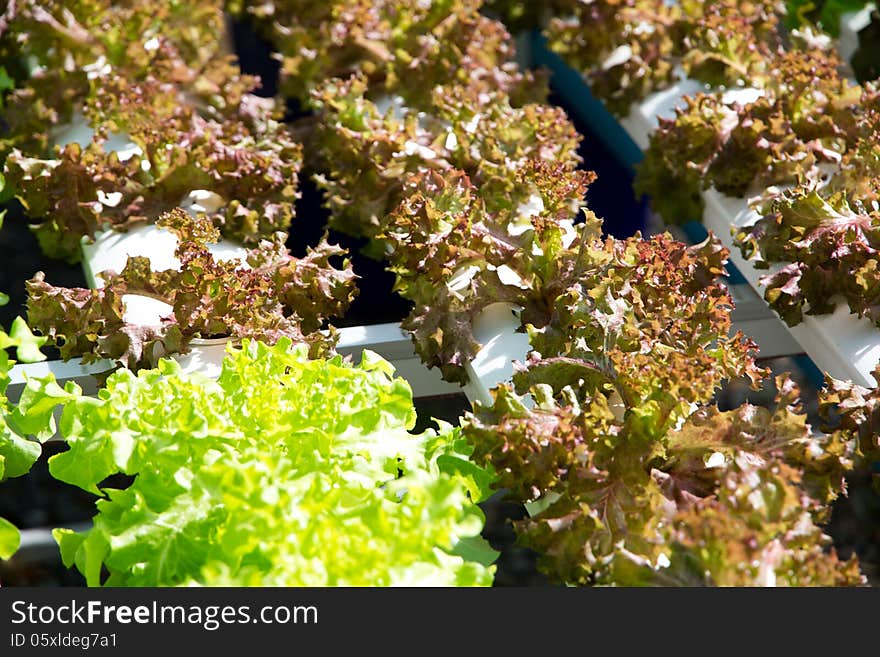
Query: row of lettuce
286, 469
295, 467
802, 148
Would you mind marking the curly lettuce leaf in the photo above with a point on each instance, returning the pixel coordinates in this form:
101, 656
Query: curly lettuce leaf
170, 113
712, 535
648, 320
853, 410
20, 422
518, 16
827, 250
621, 446
678, 156
729, 42
480, 195
628, 49
69, 35
294, 472
821, 237
62, 55
864, 60
725, 499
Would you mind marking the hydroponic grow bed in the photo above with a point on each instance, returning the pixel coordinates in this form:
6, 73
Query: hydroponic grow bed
468, 189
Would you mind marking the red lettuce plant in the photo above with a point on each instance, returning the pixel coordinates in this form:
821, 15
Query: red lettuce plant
168, 119
822, 237
631, 475
369, 159
58, 54
803, 117
455, 252
628, 49
625, 48
269, 296
402, 47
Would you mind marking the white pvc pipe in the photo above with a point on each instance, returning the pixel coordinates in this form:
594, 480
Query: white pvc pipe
495, 328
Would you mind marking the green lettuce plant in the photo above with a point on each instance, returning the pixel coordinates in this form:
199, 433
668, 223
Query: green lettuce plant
18, 450
283, 471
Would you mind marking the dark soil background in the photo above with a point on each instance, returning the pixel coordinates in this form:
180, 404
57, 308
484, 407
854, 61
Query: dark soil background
38, 500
